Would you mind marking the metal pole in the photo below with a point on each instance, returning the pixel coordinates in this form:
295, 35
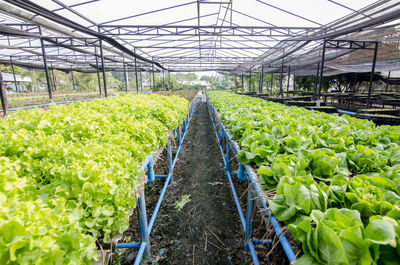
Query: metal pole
154, 82
387, 83
103, 68
46, 69
54, 78
15, 79
242, 83
163, 81
3, 95
288, 80
169, 81
315, 83
136, 78
73, 80
97, 67
371, 80
260, 85
272, 82
250, 81
34, 81
141, 81
281, 80
125, 78
321, 73
294, 83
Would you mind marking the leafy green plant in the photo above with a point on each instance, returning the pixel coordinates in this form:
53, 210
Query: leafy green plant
69, 174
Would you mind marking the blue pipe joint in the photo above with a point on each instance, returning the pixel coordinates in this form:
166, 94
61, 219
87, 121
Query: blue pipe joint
241, 175
150, 171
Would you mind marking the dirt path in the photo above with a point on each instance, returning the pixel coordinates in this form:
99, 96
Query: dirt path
206, 230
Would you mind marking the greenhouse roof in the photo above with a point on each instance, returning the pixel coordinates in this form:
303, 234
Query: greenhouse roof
235, 36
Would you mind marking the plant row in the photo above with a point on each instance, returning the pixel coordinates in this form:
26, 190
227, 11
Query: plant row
337, 178
69, 174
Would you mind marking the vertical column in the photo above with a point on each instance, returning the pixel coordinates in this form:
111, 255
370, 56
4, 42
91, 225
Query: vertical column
54, 78
250, 81
260, 85
163, 80
288, 80
125, 78
387, 83
98, 70
321, 73
281, 80
3, 95
46, 69
242, 83
136, 78
248, 235
141, 81
371, 79
13, 71
73, 80
169, 81
315, 83
103, 68
272, 82
142, 222
154, 83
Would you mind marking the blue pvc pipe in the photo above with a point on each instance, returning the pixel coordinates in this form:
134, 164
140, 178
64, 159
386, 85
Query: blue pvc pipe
150, 170
139, 256
160, 176
129, 245
253, 253
262, 242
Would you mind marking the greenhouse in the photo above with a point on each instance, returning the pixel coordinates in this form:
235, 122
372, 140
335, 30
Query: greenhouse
200, 132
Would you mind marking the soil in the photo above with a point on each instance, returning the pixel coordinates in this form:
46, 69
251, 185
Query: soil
207, 229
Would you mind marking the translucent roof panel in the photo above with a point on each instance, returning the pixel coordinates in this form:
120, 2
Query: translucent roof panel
184, 35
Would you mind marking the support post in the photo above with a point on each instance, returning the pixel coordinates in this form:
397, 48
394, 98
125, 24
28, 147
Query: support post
103, 68
154, 83
387, 83
13, 71
371, 80
141, 81
294, 83
169, 82
242, 84
321, 73
260, 85
142, 222
250, 81
169, 156
248, 235
288, 80
46, 69
136, 78
281, 80
163, 80
272, 83
125, 78
73, 80
3, 95
97, 68
315, 83
53, 77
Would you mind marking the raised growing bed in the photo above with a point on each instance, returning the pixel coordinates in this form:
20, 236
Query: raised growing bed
392, 112
380, 119
326, 109
302, 103
256, 197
